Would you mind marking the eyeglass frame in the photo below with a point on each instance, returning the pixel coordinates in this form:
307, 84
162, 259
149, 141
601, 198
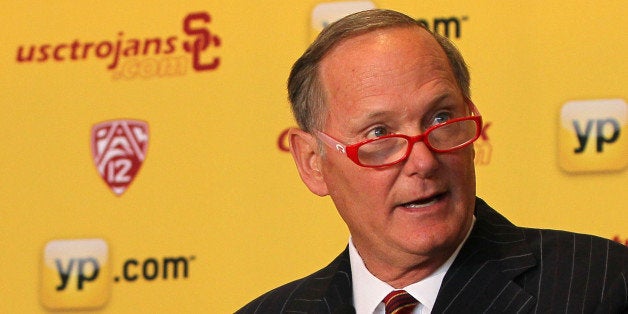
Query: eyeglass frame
351, 150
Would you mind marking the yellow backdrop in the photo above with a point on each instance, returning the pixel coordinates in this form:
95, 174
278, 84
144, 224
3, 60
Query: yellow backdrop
208, 211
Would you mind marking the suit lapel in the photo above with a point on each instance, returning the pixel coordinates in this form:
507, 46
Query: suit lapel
481, 277
326, 291
338, 293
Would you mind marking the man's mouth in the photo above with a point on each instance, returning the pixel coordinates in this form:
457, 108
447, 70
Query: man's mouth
423, 202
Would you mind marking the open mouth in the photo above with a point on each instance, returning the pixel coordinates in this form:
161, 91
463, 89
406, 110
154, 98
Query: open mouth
424, 202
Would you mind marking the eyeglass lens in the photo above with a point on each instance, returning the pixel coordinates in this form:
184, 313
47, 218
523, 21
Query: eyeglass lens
392, 149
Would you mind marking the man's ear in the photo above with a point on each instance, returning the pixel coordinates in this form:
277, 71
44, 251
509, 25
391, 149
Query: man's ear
304, 150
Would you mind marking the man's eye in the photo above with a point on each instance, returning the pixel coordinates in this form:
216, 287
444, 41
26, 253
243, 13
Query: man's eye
441, 117
377, 132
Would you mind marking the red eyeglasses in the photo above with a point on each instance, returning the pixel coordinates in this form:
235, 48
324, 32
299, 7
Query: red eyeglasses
390, 149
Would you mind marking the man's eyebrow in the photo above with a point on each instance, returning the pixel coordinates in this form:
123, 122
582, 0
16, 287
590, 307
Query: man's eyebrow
439, 98
380, 113
433, 102
384, 112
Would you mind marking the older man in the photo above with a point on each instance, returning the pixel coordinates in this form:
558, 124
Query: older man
386, 130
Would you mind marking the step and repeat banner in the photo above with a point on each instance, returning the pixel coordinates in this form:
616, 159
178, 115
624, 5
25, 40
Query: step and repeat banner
144, 162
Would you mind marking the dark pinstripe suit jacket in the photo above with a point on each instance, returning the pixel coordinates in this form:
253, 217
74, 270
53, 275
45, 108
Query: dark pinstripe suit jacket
500, 269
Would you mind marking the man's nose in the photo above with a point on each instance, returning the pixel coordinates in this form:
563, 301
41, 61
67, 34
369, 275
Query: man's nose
421, 161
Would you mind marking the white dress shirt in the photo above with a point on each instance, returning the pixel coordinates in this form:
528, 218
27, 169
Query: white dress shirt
369, 291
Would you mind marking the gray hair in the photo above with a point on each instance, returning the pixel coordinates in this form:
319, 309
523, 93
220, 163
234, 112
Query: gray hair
305, 90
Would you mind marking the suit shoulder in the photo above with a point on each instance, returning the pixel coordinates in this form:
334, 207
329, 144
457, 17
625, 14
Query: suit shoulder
581, 272
274, 300
560, 237
307, 292
547, 243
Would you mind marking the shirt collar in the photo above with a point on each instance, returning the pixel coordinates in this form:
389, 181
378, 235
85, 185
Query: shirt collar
369, 291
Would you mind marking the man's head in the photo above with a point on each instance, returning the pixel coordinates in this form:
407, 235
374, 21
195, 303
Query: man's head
304, 89
370, 75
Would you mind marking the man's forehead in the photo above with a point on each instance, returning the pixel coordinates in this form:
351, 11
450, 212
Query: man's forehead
379, 51
381, 37
391, 54
373, 73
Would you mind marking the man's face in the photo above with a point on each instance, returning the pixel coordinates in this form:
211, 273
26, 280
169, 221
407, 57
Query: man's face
396, 80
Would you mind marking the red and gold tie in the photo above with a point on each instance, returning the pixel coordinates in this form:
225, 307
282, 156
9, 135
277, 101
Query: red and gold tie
399, 302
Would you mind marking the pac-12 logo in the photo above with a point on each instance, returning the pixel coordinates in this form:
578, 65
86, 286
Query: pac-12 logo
70, 274
119, 149
592, 135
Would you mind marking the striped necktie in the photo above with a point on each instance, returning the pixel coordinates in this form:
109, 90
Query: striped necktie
399, 302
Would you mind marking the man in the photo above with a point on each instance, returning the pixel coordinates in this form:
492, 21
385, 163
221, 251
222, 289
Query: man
386, 130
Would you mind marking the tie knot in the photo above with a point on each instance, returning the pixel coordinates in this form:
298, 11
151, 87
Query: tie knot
399, 302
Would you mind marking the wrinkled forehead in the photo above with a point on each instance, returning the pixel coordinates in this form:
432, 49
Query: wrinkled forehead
371, 63
415, 34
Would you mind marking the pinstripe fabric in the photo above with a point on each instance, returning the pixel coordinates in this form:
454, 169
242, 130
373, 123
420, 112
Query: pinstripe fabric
500, 269
326, 291
503, 268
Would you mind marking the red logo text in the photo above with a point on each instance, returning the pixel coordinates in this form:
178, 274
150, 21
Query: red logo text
138, 56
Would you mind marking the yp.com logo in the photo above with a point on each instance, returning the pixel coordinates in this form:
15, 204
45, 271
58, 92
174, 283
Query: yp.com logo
591, 135
70, 274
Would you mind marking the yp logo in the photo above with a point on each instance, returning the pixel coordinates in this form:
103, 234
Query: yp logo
75, 274
592, 135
